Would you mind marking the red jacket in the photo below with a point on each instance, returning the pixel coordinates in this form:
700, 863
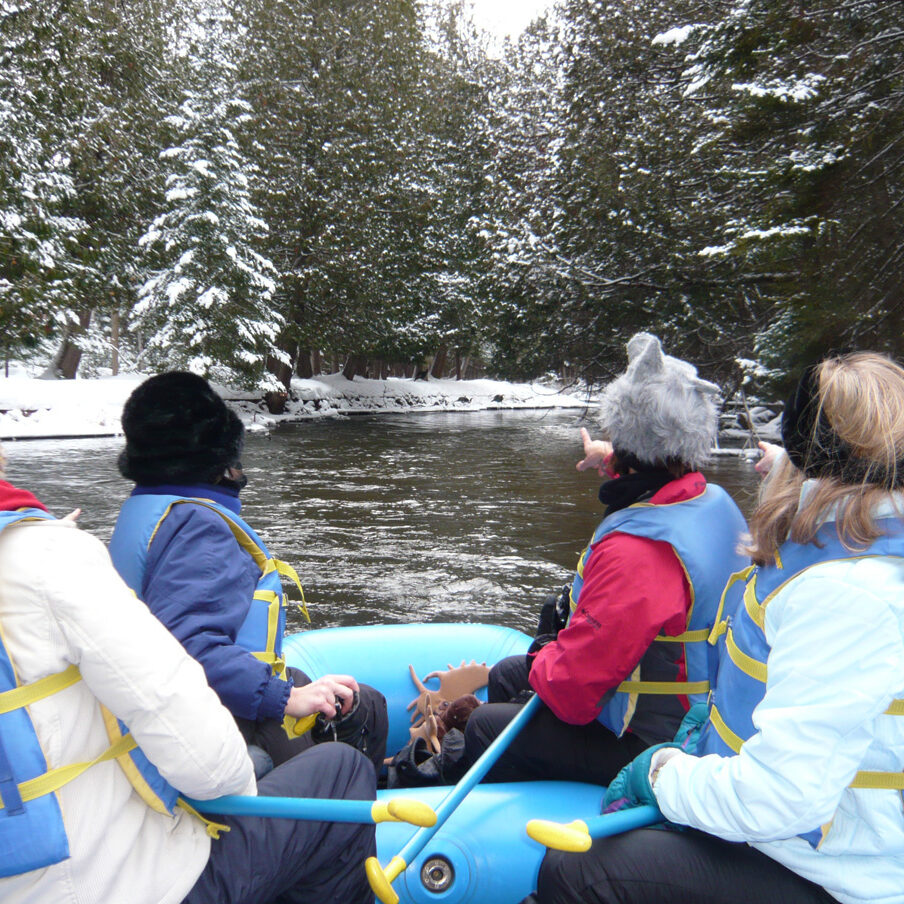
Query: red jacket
634, 589
12, 498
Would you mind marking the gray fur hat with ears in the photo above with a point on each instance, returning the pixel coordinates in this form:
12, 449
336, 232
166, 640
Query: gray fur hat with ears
659, 410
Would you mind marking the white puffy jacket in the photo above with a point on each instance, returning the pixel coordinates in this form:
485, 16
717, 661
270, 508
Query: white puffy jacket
62, 602
836, 634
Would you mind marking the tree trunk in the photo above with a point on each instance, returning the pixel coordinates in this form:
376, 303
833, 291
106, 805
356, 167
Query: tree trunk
303, 364
276, 401
458, 364
114, 341
354, 364
66, 361
316, 363
439, 363
280, 370
334, 363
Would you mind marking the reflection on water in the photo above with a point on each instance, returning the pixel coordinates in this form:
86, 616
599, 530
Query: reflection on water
393, 518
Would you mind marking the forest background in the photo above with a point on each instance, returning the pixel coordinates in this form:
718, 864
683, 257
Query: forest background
260, 188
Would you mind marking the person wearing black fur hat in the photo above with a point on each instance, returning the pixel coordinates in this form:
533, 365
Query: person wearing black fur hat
182, 546
85, 670
632, 658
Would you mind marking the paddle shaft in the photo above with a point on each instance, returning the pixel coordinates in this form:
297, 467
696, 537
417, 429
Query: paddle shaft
481, 767
313, 808
623, 821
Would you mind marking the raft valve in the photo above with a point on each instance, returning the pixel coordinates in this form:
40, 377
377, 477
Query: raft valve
437, 874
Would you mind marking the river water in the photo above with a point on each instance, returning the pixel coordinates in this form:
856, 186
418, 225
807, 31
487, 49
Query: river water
393, 518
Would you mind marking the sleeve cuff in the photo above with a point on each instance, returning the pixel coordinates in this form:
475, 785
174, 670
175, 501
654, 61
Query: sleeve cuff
659, 759
274, 700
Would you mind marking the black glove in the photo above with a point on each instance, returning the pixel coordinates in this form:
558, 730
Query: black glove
536, 645
349, 728
554, 612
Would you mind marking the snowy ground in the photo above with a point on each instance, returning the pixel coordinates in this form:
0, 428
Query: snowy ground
32, 408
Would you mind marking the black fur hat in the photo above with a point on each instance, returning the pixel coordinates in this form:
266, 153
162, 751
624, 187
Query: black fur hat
178, 430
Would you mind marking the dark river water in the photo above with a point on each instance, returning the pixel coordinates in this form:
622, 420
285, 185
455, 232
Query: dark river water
394, 518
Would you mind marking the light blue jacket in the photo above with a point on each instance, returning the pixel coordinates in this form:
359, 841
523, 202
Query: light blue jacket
836, 663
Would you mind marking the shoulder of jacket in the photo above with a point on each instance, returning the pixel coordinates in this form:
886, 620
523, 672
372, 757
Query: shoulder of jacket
180, 513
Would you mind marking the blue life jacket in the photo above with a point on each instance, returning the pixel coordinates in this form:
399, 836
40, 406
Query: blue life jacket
739, 634
704, 533
261, 633
32, 833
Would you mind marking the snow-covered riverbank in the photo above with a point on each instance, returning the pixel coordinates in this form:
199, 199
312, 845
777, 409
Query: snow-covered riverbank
31, 408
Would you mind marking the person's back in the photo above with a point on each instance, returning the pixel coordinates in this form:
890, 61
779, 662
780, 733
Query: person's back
182, 545
800, 757
63, 606
623, 671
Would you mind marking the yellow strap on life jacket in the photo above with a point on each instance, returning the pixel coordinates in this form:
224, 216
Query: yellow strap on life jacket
687, 637
756, 612
242, 538
677, 688
54, 779
214, 829
271, 598
747, 664
19, 697
287, 571
719, 624
730, 739
883, 781
276, 663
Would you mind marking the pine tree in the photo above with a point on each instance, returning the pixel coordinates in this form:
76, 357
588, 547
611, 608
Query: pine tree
806, 105
40, 265
335, 86
208, 306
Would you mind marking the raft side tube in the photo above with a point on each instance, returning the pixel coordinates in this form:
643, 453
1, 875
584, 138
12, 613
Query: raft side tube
483, 851
379, 655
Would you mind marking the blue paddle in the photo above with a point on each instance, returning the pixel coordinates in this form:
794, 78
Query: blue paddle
381, 879
319, 809
578, 835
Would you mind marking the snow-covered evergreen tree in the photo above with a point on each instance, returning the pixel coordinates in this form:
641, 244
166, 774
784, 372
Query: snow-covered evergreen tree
40, 266
805, 106
209, 303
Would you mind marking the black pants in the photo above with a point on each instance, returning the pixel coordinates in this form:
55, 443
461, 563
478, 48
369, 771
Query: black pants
270, 736
259, 860
656, 866
546, 748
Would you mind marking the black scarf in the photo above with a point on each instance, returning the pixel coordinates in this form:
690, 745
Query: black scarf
622, 491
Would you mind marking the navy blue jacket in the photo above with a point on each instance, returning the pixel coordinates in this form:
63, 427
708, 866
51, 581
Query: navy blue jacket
199, 582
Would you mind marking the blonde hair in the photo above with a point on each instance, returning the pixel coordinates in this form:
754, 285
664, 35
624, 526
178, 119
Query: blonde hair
862, 397
2, 463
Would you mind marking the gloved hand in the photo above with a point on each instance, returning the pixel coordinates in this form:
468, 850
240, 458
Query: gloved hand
631, 787
688, 733
537, 644
554, 612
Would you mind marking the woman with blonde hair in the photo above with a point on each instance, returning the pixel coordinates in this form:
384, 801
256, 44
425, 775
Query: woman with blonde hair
794, 792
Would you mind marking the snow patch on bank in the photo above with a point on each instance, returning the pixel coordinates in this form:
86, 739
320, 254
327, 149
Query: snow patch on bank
32, 408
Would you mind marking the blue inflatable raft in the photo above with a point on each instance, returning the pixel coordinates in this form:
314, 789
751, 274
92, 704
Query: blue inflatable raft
482, 854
